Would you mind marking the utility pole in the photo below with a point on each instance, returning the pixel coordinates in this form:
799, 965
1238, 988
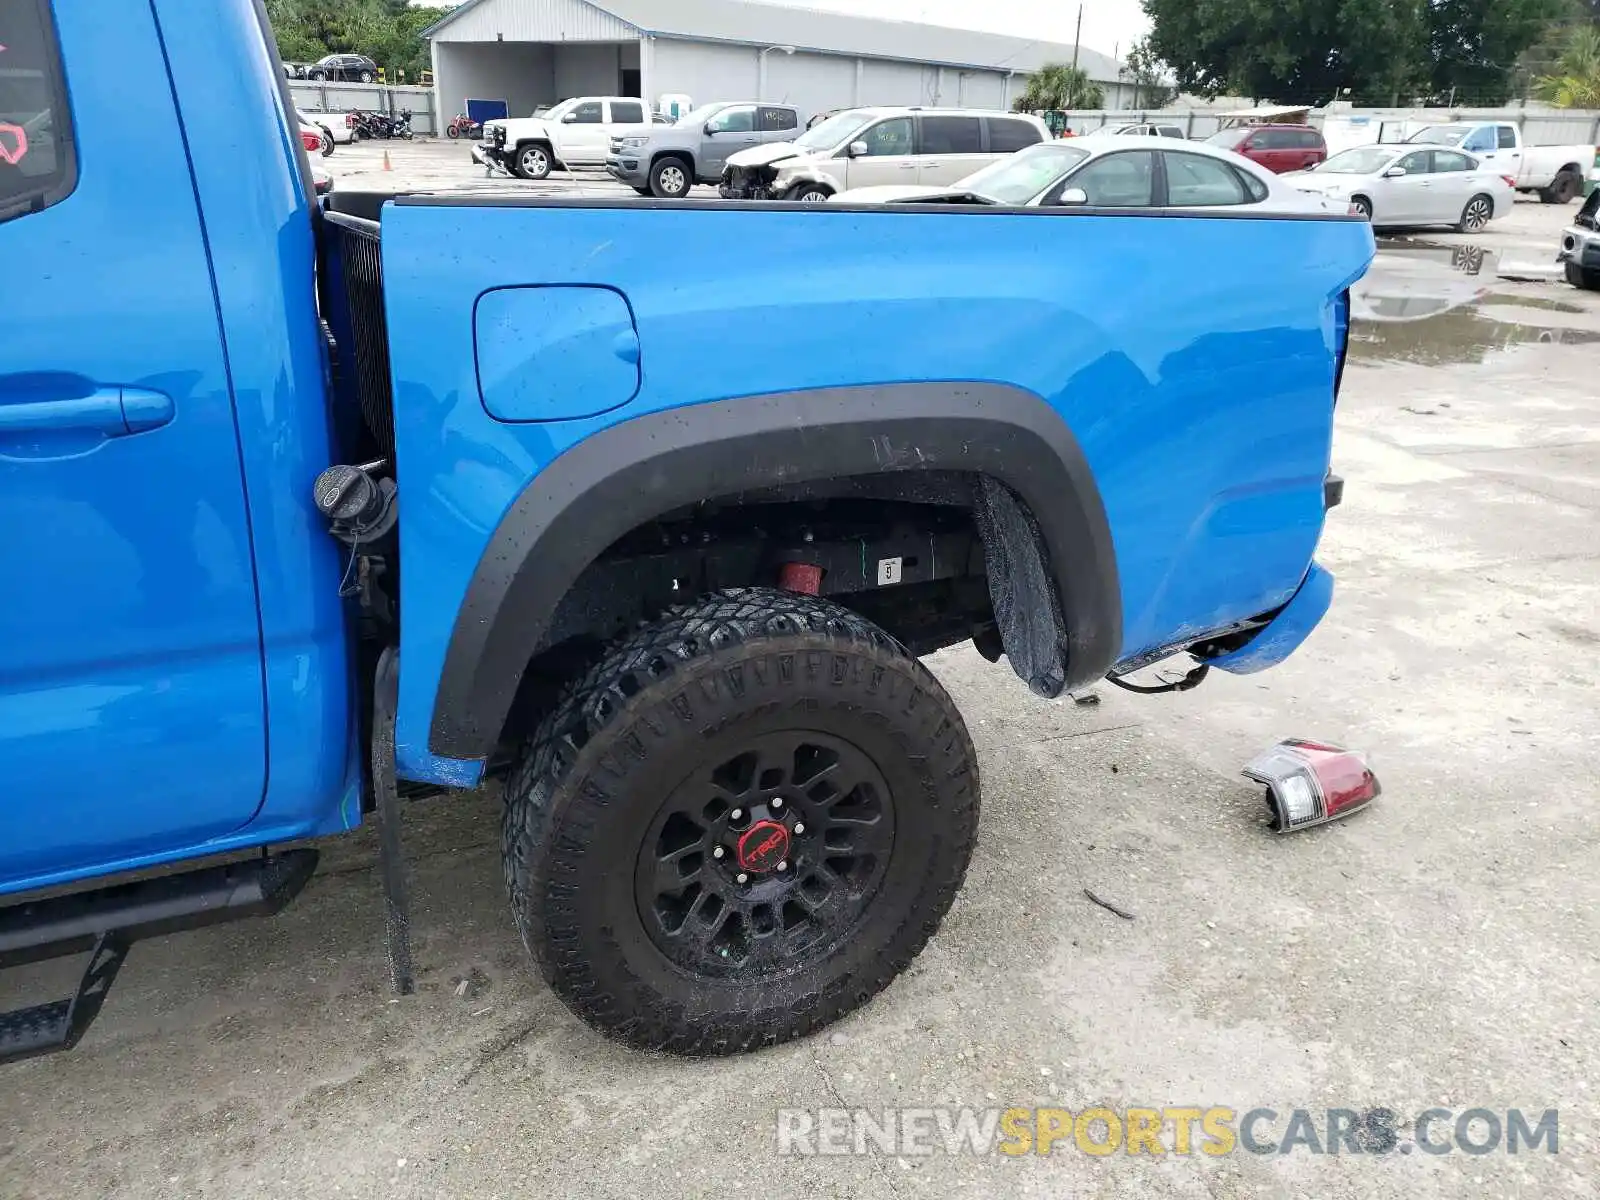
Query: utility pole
1077, 35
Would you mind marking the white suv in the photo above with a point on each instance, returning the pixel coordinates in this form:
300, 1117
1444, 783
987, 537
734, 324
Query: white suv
575, 131
864, 147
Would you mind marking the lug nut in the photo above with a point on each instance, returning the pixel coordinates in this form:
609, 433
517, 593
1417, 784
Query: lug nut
736, 814
718, 852
778, 802
799, 826
742, 877
783, 866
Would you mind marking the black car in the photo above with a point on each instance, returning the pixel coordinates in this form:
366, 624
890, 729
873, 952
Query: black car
352, 68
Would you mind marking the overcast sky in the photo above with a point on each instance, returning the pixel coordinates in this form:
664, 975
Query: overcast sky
1107, 24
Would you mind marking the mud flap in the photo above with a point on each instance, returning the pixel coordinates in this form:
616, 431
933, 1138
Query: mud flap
1026, 607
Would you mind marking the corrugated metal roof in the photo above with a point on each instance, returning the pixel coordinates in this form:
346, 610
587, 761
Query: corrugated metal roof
758, 24
532, 21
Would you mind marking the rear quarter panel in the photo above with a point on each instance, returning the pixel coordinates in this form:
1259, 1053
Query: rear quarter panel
1193, 358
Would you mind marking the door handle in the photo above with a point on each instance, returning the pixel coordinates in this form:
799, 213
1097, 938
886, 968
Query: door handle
908, 166
111, 411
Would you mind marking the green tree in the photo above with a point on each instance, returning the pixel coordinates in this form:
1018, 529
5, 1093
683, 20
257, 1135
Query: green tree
1383, 51
1576, 81
1148, 74
387, 31
1059, 86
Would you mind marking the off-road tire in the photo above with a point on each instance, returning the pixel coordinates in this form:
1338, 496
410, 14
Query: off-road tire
1587, 278
1562, 188
665, 705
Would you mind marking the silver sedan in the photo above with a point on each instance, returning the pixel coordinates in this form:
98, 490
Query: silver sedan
1111, 171
1405, 185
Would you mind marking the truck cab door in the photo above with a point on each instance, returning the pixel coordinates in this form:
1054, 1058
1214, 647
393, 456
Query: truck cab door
731, 130
1508, 157
776, 124
583, 134
131, 711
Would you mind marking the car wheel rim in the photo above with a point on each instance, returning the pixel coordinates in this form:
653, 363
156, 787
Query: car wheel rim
533, 162
813, 197
766, 858
1477, 215
672, 180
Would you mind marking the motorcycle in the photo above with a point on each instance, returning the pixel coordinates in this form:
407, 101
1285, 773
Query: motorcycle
374, 124
400, 126
463, 126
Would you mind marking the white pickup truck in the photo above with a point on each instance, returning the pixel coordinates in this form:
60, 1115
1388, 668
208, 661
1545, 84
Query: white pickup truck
1555, 172
576, 131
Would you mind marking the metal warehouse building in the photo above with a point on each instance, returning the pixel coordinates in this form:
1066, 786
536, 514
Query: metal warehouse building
531, 52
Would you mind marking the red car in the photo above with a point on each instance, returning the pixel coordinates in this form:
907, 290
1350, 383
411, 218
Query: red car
1278, 148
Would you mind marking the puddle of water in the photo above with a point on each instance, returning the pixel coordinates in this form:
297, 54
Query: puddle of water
1433, 304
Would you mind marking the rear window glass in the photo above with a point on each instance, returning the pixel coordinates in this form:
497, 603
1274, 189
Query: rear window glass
779, 118
625, 112
37, 164
1194, 181
1006, 135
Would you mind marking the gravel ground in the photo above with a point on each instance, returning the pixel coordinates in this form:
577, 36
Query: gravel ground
1439, 950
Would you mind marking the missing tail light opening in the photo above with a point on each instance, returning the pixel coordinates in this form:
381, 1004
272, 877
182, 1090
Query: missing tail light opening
1311, 783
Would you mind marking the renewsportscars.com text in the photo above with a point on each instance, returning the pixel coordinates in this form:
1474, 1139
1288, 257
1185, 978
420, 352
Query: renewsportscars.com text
1187, 1129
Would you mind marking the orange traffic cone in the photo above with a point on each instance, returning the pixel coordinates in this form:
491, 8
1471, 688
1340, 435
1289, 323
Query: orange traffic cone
386, 165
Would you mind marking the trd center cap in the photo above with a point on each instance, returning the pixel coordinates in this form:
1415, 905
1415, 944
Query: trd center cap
763, 846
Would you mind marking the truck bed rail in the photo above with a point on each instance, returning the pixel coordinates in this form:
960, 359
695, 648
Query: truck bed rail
352, 281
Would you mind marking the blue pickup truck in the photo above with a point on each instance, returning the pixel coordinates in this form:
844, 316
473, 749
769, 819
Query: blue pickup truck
644, 510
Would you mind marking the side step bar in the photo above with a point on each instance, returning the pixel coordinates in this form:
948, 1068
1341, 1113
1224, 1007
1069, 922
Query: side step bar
109, 920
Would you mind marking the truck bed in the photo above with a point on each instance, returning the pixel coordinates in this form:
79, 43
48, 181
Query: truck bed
1193, 358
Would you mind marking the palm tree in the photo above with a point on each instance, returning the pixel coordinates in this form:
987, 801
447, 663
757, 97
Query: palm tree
1056, 86
1576, 83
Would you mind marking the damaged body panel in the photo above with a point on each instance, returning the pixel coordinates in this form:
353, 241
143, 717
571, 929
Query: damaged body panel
1204, 427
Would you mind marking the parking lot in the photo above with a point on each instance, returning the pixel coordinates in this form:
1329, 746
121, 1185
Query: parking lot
1437, 951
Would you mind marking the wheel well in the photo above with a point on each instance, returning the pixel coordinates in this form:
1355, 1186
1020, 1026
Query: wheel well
685, 156
1572, 167
905, 550
994, 453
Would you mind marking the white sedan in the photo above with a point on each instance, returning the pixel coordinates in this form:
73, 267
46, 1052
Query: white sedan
1408, 185
1113, 171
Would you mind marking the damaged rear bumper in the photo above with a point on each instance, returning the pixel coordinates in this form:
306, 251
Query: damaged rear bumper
1290, 625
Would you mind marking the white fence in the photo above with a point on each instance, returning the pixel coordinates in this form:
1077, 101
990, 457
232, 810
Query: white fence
1539, 126
323, 97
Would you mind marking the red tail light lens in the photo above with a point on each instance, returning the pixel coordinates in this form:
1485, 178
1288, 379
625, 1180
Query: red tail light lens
1311, 783
1511, 180
310, 140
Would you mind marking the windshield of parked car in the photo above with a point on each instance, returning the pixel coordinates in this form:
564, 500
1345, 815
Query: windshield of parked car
1019, 177
1228, 138
553, 112
1363, 160
839, 128
1440, 135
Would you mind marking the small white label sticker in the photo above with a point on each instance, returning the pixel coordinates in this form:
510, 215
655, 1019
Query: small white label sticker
888, 571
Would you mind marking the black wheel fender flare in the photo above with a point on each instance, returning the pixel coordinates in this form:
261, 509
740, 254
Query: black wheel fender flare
634, 471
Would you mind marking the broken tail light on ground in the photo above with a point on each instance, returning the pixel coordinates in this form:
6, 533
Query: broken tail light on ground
1311, 783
